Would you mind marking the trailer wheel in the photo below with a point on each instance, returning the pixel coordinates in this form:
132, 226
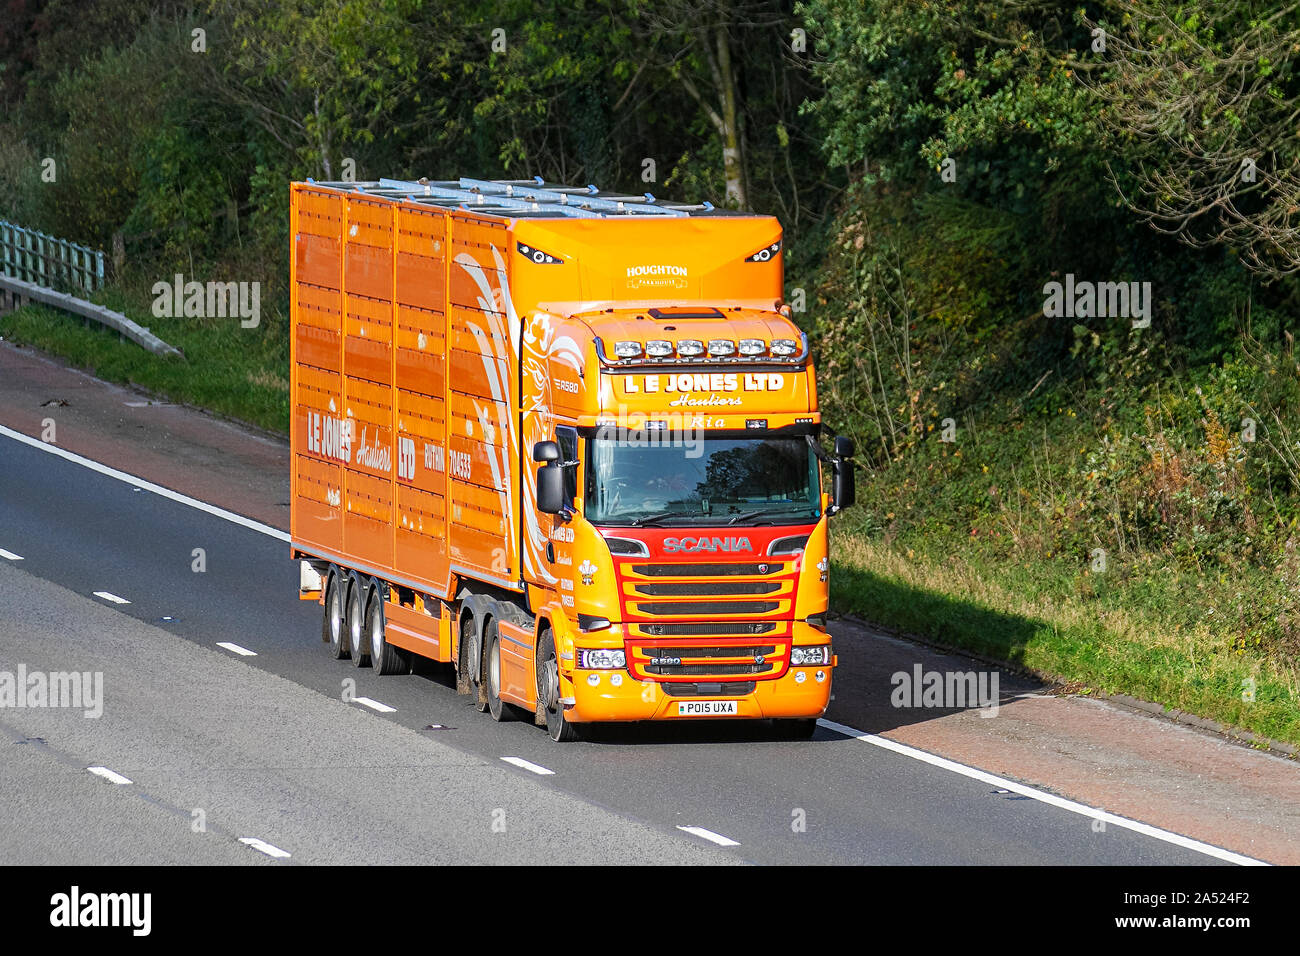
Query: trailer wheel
499, 709
548, 691
333, 623
384, 657
357, 624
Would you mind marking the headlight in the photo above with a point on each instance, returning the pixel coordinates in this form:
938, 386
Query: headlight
784, 347
690, 348
627, 349
806, 656
601, 659
752, 346
658, 348
722, 347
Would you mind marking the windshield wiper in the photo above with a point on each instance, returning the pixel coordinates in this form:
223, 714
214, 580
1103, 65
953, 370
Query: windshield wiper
648, 519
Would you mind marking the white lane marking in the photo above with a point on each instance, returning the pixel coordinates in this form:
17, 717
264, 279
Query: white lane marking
374, 705
236, 649
109, 775
709, 835
529, 765
110, 596
146, 485
9, 555
263, 847
944, 763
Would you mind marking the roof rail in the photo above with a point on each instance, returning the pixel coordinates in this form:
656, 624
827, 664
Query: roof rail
526, 198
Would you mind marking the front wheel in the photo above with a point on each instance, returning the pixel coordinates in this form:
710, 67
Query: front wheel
548, 691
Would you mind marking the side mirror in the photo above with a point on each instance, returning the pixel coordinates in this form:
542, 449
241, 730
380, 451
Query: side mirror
550, 485
546, 451
843, 490
844, 447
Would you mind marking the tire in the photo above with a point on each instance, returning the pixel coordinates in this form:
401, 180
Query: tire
499, 709
548, 692
797, 728
384, 657
472, 653
333, 622
357, 624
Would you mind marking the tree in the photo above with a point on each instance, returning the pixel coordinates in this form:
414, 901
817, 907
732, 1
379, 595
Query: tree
1210, 95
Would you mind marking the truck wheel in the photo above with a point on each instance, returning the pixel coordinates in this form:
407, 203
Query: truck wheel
472, 649
797, 728
357, 624
548, 691
384, 657
333, 623
498, 708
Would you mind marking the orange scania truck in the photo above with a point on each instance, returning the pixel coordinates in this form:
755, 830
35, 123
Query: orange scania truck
566, 441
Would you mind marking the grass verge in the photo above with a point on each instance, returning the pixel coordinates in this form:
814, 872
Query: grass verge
1133, 637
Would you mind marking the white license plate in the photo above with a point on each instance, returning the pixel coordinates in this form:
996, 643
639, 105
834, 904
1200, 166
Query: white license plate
707, 708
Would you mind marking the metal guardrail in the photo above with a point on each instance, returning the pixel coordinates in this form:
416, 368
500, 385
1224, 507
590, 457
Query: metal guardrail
54, 263
15, 292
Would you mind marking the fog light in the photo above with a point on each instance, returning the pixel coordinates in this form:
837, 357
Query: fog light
820, 675
800, 677
593, 679
616, 680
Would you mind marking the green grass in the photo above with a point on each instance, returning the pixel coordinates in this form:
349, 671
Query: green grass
1138, 631
235, 372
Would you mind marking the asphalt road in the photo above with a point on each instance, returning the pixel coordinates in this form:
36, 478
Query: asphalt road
268, 749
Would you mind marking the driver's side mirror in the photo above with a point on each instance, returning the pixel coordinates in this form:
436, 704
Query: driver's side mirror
550, 478
843, 489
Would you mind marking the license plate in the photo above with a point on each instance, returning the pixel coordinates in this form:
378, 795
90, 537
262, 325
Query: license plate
707, 708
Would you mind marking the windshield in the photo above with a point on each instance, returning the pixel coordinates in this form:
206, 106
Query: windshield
750, 480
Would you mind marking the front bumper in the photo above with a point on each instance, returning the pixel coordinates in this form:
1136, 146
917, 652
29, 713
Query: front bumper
618, 696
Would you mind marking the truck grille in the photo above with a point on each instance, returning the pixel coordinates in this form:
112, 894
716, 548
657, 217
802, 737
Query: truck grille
706, 608
707, 588
722, 628
733, 688
706, 570
707, 660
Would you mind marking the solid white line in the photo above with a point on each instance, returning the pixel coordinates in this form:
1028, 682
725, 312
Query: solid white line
709, 835
146, 485
109, 775
374, 705
9, 555
1145, 829
263, 847
529, 765
110, 596
236, 649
